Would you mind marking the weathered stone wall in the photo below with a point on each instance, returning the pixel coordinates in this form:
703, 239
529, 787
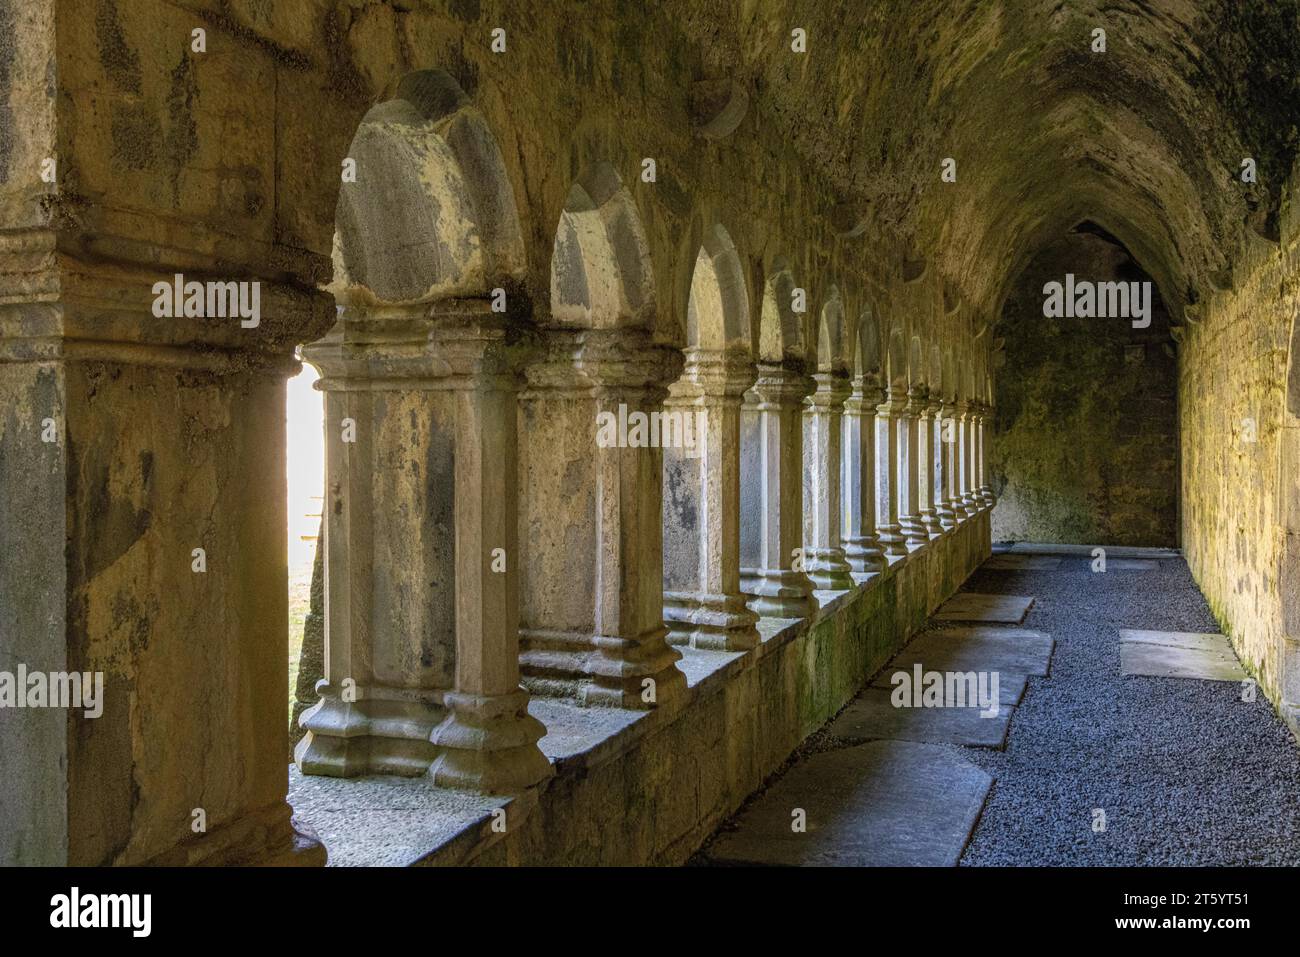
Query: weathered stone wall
1085, 439
1240, 474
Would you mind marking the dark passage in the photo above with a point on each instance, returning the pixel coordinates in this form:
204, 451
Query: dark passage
1085, 443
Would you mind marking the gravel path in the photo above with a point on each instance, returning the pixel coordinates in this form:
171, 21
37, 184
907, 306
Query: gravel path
1185, 771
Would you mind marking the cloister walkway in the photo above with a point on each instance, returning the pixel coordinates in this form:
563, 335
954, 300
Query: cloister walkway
1097, 768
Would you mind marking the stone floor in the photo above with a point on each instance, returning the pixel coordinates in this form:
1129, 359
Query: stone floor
1185, 771
1097, 767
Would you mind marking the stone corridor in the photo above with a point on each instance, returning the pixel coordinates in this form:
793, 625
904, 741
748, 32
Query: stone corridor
681, 366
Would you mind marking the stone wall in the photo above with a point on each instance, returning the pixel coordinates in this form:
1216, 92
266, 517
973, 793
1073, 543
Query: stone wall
1085, 443
1240, 471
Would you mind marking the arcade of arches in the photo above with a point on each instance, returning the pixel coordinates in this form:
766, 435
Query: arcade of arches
795, 254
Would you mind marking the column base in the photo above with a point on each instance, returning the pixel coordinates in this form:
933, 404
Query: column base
711, 622
384, 731
914, 533
602, 670
828, 569
488, 743
947, 517
777, 592
864, 555
987, 497
930, 522
271, 837
892, 540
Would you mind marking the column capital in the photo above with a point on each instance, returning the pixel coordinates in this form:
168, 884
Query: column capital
893, 403
778, 384
598, 361
139, 313
867, 394
832, 390
714, 374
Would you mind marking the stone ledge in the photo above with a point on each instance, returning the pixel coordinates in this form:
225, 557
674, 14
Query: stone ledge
787, 683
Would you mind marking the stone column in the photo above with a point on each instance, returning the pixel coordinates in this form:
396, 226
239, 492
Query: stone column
935, 525
422, 563
771, 487
965, 505
910, 469
861, 544
591, 520
926, 468
142, 454
703, 605
985, 488
946, 445
824, 557
887, 473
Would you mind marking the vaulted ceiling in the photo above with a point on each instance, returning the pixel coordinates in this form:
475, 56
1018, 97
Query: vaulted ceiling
1146, 139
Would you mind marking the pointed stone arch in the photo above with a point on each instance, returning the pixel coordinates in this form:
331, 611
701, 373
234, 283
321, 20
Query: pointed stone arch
896, 359
867, 353
601, 273
780, 328
916, 363
717, 307
431, 214
830, 334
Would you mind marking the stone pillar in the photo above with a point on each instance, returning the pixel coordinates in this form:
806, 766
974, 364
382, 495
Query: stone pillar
861, 545
311, 656
947, 444
824, 557
422, 563
926, 468
144, 527
984, 487
966, 507
887, 473
909, 467
591, 520
703, 605
938, 468
771, 487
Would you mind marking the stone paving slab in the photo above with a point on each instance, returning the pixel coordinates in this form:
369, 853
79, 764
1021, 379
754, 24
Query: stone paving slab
1132, 565
1011, 684
872, 716
973, 606
1178, 654
1008, 562
1082, 551
981, 649
883, 804
1204, 641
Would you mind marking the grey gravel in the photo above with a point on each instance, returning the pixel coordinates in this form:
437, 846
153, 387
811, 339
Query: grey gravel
1186, 772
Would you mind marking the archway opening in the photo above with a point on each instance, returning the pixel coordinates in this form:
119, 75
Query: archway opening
1085, 446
